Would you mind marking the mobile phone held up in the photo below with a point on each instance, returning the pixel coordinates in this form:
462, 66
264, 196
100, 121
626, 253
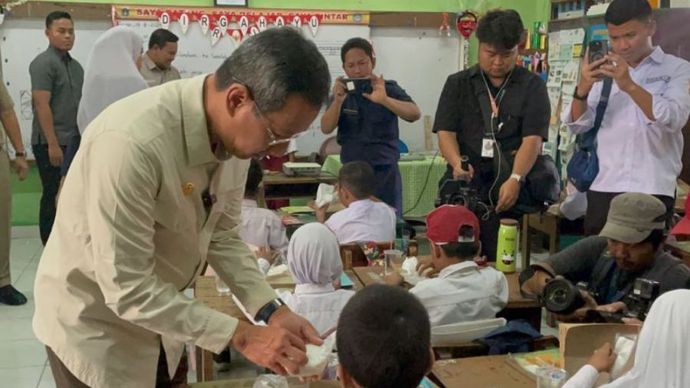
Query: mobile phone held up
598, 49
357, 85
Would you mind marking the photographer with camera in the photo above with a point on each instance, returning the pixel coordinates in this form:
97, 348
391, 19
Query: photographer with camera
627, 254
496, 115
639, 141
365, 109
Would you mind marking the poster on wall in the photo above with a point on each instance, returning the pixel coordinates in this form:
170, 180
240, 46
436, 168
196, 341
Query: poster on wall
231, 3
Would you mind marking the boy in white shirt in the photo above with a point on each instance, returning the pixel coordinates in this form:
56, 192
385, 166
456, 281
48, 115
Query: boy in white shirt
462, 291
261, 228
365, 217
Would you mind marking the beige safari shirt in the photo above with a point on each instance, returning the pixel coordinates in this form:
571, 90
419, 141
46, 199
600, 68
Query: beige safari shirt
155, 76
132, 232
6, 105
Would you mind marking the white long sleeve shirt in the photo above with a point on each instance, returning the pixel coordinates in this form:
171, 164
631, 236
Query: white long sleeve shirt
463, 292
364, 220
637, 154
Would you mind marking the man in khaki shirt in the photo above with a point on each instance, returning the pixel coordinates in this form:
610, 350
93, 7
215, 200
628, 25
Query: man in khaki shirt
157, 67
8, 294
154, 194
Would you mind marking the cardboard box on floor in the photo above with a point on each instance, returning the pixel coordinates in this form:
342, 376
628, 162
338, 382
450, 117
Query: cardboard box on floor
249, 383
579, 341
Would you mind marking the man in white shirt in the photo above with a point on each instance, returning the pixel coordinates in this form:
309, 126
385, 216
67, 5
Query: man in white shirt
640, 141
261, 228
365, 218
462, 291
154, 194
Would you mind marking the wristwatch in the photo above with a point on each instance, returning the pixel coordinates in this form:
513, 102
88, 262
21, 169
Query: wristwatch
20, 154
579, 97
517, 177
269, 308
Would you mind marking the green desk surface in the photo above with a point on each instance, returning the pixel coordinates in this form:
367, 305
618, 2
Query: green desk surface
419, 182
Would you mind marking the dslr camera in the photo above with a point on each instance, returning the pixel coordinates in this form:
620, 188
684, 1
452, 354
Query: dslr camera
459, 192
560, 296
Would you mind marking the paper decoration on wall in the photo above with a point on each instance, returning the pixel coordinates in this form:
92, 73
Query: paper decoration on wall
466, 23
184, 23
236, 23
314, 24
262, 23
223, 24
204, 22
216, 34
164, 19
444, 28
236, 36
244, 25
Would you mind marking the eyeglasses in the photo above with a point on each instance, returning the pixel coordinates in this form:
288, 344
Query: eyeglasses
274, 139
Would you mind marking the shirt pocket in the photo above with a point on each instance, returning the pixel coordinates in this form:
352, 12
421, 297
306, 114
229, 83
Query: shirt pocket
380, 123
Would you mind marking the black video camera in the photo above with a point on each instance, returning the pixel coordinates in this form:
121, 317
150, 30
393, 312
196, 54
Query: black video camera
560, 296
459, 192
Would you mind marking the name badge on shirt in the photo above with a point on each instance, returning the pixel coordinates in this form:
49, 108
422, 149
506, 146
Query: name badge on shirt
487, 148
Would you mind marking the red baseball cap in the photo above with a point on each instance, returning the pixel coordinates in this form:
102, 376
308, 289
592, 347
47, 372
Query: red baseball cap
683, 226
443, 224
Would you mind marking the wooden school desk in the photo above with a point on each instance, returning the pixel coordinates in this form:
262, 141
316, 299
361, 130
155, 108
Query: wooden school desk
205, 291
281, 186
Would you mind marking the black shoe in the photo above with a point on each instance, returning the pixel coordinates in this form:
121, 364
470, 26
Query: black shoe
10, 296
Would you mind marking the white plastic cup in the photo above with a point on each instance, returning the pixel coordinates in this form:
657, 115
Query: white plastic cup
221, 287
391, 256
551, 377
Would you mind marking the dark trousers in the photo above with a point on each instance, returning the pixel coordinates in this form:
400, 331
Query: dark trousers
50, 180
65, 379
598, 204
389, 189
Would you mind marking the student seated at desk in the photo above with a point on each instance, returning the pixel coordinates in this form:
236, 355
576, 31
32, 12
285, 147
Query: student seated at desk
383, 339
313, 258
261, 228
662, 356
365, 217
462, 291
630, 246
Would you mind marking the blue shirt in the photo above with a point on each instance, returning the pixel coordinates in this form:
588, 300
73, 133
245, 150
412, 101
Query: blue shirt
368, 131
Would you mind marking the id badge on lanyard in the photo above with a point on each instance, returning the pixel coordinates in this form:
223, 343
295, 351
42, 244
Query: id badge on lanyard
489, 139
490, 136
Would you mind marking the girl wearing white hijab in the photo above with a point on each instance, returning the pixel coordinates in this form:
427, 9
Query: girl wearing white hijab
112, 73
313, 258
662, 357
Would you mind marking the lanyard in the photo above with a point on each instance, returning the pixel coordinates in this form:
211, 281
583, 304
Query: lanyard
496, 101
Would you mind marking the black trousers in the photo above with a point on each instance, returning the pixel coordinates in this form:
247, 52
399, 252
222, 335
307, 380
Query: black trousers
389, 186
50, 180
598, 204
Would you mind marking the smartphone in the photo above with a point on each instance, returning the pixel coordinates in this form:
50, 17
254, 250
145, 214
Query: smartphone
598, 49
357, 85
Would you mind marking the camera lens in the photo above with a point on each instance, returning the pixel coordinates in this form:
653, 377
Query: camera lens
562, 297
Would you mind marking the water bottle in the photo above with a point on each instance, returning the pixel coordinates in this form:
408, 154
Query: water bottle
506, 249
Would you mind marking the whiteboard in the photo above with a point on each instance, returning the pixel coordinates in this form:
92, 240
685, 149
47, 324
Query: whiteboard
21, 41
420, 60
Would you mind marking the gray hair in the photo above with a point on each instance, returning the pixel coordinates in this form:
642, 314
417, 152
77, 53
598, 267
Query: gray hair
274, 64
